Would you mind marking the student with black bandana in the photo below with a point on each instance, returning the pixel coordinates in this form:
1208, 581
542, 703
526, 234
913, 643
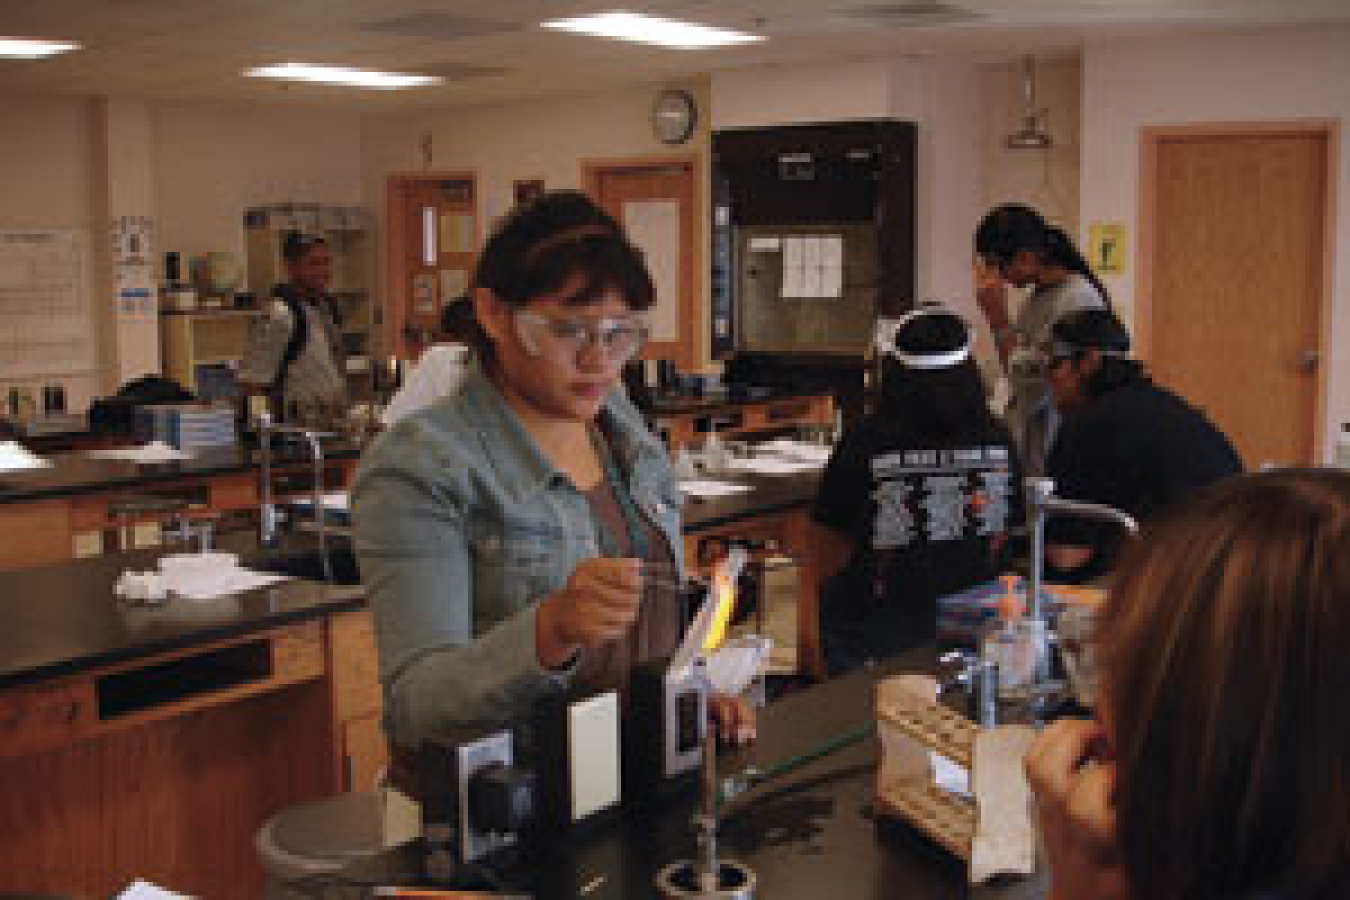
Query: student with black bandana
913, 502
1125, 441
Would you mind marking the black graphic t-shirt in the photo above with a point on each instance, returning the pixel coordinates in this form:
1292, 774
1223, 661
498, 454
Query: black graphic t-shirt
923, 521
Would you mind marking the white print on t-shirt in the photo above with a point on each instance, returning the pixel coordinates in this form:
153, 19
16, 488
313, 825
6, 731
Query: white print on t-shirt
895, 524
952, 488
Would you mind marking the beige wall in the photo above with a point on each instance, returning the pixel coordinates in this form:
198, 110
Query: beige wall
207, 164
214, 161
549, 139
1276, 75
46, 163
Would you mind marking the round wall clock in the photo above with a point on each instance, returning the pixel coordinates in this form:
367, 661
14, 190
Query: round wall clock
674, 116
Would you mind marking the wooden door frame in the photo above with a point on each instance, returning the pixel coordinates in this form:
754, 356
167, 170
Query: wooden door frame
396, 242
691, 263
1150, 138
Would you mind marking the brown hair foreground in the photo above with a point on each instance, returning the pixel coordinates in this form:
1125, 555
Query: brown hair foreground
1225, 653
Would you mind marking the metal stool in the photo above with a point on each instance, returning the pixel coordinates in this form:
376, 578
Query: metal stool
317, 838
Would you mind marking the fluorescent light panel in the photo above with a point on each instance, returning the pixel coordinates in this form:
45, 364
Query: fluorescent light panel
629, 26
23, 48
364, 78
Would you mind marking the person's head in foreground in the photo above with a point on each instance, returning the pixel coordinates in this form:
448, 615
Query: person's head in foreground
1221, 764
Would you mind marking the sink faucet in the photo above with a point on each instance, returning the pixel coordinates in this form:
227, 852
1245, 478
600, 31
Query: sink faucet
1041, 504
267, 510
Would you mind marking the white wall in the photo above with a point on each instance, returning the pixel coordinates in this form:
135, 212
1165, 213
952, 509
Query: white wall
1044, 179
545, 139
1275, 75
47, 181
46, 163
207, 163
213, 161
783, 95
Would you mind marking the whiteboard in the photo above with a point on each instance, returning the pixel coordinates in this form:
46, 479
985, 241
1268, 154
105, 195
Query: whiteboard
46, 310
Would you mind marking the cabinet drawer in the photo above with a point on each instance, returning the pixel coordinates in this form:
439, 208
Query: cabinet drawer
43, 716
35, 534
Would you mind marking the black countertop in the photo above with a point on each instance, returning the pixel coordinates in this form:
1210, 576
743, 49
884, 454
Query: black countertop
78, 473
726, 399
809, 834
770, 494
62, 619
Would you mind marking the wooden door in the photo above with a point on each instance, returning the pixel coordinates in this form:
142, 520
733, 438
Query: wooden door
1236, 227
433, 237
655, 202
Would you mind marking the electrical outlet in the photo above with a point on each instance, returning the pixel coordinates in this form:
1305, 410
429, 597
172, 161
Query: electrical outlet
471, 757
446, 766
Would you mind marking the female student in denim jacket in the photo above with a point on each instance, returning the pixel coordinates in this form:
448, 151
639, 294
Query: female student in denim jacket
522, 535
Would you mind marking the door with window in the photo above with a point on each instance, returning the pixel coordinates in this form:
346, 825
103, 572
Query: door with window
655, 201
1235, 240
433, 238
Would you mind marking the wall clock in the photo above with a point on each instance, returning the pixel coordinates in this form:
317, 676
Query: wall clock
674, 115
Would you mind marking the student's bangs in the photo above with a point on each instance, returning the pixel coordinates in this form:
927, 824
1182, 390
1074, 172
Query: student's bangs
595, 262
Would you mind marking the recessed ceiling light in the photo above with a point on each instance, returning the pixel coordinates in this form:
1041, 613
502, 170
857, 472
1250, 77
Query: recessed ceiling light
23, 48
628, 26
365, 78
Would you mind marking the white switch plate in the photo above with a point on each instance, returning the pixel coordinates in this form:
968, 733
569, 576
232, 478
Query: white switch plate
593, 750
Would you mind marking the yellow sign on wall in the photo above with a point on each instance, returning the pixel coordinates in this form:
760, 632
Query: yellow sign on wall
1107, 249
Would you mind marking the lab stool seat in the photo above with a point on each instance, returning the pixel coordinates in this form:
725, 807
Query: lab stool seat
317, 838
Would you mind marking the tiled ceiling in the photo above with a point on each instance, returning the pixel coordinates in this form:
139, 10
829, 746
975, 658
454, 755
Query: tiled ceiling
490, 50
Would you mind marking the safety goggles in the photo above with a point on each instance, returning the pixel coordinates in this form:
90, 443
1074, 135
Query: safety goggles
617, 339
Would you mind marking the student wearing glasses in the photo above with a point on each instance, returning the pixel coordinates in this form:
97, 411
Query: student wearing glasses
295, 356
522, 535
1015, 246
1124, 441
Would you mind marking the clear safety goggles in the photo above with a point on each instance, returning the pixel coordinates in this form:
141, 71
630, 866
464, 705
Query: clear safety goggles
618, 340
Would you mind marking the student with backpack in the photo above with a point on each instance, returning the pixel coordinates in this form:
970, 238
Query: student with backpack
295, 357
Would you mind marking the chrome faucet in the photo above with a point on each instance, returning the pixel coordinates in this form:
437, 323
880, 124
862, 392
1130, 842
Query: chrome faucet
267, 510
1041, 504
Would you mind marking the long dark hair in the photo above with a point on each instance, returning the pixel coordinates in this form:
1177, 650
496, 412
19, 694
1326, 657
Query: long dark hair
542, 244
945, 404
1098, 329
1222, 653
1011, 228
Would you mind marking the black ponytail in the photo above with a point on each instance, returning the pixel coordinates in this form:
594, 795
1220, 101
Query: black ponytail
1061, 250
1011, 228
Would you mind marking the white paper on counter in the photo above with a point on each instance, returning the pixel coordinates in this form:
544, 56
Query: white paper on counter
798, 451
153, 452
212, 584
144, 890
335, 501
14, 458
700, 487
772, 465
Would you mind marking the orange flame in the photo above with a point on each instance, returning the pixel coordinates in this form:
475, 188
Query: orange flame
724, 595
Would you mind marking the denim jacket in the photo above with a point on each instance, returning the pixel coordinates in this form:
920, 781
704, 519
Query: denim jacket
461, 527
